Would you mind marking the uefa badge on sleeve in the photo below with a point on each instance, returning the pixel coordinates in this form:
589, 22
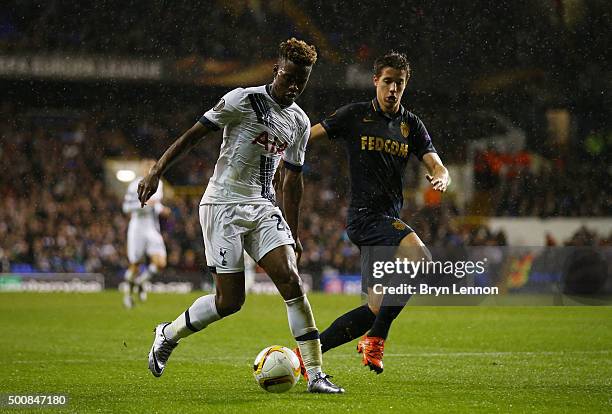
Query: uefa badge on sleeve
219, 106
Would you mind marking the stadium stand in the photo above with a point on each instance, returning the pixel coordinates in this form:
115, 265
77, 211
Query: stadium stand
56, 213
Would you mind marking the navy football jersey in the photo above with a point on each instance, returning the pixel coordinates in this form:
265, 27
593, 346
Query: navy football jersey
378, 147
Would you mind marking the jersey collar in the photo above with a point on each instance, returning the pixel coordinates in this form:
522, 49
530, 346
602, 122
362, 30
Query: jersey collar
376, 107
269, 92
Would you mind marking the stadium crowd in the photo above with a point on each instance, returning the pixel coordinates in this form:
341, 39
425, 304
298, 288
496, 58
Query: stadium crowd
569, 186
57, 214
119, 28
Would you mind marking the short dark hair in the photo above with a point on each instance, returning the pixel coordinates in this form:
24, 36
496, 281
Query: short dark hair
393, 60
297, 51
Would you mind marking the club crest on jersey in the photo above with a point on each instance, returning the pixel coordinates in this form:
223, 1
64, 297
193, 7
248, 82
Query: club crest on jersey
219, 106
270, 143
405, 129
222, 253
398, 225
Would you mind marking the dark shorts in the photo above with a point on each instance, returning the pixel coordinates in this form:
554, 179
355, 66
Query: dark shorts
375, 230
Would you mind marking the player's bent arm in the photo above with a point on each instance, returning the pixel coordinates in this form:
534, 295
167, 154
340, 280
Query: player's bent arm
293, 187
316, 133
438, 174
180, 147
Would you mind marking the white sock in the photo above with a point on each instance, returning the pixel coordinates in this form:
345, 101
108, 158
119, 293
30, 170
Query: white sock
198, 316
303, 328
151, 271
129, 276
312, 356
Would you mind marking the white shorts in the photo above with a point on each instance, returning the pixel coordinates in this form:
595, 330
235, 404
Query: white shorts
229, 229
142, 241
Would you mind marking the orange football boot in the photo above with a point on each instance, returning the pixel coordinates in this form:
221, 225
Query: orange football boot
372, 348
296, 351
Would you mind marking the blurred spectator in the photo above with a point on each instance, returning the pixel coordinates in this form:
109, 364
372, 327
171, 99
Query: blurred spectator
574, 188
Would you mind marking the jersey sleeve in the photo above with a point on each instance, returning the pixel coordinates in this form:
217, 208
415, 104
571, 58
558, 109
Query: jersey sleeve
293, 156
227, 111
338, 122
130, 201
422, 141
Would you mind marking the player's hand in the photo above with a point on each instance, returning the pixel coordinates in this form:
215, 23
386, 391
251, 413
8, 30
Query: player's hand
298, 250
147, 187
439, 182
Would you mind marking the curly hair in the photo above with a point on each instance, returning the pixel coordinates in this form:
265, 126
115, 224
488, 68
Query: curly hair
297, 51
393, 60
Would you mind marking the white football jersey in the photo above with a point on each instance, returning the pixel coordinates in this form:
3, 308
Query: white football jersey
146, 217
257, 132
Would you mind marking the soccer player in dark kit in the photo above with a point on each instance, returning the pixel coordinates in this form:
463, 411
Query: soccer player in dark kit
379, 136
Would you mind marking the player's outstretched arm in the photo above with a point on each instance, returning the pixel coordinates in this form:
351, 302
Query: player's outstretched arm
438, 174
148, 185
316, 133
293, 187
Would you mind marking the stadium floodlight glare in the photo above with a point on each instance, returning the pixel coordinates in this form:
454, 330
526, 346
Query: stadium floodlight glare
125, 176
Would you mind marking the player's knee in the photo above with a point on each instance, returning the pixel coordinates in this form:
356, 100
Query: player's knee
160, 263
227, 306
426, 254
375, 308
291, 286
295, 280
412, 248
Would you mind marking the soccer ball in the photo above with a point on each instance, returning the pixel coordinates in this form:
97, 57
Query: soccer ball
276, 369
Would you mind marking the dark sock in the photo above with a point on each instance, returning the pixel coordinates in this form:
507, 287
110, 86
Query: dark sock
390, 308
347, 327
385, 318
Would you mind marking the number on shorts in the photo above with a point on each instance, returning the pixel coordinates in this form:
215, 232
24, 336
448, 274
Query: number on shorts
279, 225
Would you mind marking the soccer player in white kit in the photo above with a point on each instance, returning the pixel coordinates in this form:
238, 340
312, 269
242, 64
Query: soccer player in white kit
144, 238
260, 125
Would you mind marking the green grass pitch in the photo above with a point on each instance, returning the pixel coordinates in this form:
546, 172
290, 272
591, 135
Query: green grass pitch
438, 359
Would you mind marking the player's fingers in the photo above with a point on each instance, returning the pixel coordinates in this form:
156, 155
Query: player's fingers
140, 191
146, 194
429, 177
445, 184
